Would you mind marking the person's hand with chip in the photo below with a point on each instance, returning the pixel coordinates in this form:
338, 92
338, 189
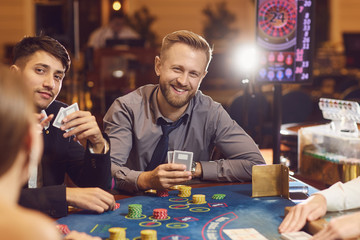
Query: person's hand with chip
164, 176
94, 199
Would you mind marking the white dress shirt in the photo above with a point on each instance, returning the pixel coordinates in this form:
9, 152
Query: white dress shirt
343, 196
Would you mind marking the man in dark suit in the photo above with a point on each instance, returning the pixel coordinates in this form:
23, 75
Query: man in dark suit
82, 152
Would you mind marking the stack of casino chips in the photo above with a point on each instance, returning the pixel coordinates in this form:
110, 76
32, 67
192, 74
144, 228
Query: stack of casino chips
160, 213
162, 193
198, 198
117, 233
148, 234
135, 210
218, 196
63, 229
184, 191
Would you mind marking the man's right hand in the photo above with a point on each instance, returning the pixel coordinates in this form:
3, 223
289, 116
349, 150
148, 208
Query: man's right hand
311, 209
94, 199
163, 177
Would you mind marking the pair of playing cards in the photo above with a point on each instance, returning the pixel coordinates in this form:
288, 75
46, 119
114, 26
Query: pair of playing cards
301, 235
63, 112
244, 234
181, 157
252, 234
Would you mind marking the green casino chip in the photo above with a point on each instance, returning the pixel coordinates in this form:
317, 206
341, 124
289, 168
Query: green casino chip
135, 210
218, 196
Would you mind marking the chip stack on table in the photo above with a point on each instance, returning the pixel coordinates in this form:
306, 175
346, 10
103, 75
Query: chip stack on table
184, 191
63, 228
160, 213
198, 199
117, 233
162, 193
218, 196
117, 206
135, 210
148, 234
176, 187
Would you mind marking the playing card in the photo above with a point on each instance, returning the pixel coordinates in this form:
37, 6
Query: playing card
170, 155
71, 109
244, 234
296, 236
59, 117
63, 112
183, 157
45, 117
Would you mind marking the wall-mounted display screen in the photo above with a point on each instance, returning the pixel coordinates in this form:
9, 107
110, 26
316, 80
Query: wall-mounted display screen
284, 36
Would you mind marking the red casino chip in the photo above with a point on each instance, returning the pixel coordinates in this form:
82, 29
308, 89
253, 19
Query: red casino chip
160, 213
117, 205
162, 193
63, 229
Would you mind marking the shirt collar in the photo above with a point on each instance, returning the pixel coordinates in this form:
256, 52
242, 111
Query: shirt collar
156, 111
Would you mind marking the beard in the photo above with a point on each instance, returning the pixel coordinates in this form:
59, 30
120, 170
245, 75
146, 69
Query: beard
39, 102
172, 99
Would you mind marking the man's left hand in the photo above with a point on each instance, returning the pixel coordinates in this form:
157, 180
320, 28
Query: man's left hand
85, 128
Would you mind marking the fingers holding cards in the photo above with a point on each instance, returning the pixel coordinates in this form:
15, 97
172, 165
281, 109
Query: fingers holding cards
64, 112
181, 157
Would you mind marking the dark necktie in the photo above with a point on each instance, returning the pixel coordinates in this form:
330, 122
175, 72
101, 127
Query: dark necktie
161, 149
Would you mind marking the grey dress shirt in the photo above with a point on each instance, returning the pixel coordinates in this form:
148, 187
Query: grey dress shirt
131, 126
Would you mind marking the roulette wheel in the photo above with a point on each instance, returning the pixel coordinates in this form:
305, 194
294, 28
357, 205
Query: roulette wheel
277, 24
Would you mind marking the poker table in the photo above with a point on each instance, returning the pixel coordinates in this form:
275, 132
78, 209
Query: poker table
191, 221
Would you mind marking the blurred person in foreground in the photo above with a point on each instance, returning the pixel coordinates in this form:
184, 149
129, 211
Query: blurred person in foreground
339, 197
21, 147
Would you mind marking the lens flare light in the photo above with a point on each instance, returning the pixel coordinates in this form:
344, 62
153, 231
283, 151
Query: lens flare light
245, 59
116, 5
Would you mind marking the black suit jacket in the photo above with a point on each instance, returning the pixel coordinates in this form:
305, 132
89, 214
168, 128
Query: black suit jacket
64, 155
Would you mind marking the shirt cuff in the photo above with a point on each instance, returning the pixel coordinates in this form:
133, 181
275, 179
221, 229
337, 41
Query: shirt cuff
128, 182
209, 170
106, 147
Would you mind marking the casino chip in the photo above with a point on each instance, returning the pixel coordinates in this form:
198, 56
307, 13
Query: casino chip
117, 233
150, 191
162, 193
198, 199
218, 196
117, 206
148, 234
160, 213
135, 210
63, 228
176, 187
184, 191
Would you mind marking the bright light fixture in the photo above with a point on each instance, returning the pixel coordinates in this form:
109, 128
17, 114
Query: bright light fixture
116, 5
118, 73
245, 59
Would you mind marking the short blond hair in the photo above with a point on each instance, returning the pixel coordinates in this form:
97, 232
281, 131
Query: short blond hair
189, 38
